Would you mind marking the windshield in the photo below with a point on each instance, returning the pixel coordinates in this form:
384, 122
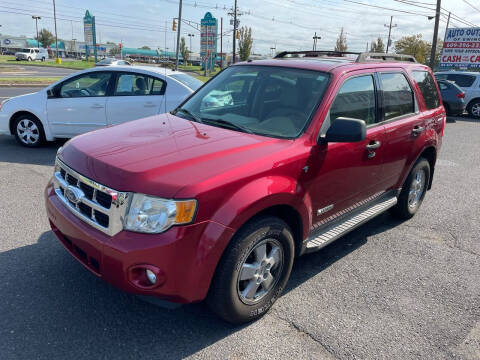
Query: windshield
25, 50
266, 100
106, 61
188, 80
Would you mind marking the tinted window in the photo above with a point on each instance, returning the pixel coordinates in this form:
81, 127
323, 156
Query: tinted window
427, 88
131, 84
397, 95
443, 86
355, 99
91, 84
461, 80
266, 100
188, 81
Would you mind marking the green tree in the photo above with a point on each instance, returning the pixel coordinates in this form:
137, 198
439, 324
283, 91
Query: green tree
341, 44
114, 50
184, 50
414, 45
438, 53
245, 43
145, 47
377, 46
45, 37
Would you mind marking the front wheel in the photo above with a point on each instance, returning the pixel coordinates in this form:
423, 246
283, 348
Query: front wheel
29, 131
43, 59
474, 109
253, 270
29, 58
413, 190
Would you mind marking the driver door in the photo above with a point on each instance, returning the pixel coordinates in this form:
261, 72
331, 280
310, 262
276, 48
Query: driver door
77, 105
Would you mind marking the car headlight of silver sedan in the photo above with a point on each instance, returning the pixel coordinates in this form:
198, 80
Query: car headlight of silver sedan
149, 214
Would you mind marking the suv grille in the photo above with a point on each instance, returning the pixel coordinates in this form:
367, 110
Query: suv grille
96, 204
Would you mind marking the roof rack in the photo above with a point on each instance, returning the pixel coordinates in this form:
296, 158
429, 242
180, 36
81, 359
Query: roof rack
361, 56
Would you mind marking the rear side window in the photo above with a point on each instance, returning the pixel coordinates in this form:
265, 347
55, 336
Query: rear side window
131, 84
397, 95
427, 88
355, 99
443, 86
461, 80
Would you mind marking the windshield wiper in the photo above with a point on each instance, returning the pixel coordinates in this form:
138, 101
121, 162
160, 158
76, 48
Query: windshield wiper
227, 124
189, 113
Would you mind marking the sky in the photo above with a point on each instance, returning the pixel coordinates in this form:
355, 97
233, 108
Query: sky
279, 24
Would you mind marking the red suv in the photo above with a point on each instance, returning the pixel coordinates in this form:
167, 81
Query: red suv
267, 161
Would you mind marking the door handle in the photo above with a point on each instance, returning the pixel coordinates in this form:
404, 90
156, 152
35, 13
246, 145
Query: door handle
97, 106
373, 145
417, 130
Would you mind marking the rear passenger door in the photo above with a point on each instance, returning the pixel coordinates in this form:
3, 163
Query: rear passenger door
134, 96
404, 124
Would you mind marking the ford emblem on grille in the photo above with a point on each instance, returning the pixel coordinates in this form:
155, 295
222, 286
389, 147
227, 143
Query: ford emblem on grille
74, 194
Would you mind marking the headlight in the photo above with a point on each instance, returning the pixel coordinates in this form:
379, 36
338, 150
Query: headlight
3, 103
150, 214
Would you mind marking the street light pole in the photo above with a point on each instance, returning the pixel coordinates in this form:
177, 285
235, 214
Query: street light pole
234, 30
389, 32
178, 33
56, 37
36, 18
315, 38
435, 35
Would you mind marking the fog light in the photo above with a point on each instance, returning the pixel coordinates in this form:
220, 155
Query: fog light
151, 276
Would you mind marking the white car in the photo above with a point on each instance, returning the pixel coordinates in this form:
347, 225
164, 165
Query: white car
469, 82
32, 54
92, 99
111, 62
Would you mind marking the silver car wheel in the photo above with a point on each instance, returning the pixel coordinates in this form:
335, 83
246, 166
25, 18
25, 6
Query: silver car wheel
28, 132
476, 109
260, 271
417, 187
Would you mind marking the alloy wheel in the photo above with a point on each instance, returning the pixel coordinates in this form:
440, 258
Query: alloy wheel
260, 271
417, 187
476, 109
28, 132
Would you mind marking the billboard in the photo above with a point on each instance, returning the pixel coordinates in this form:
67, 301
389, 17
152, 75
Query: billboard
89, 34
461, 48
208, 40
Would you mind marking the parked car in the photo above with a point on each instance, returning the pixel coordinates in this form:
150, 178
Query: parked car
453, 98
32, 54
92, 99
217, 202
469, 82
111, 62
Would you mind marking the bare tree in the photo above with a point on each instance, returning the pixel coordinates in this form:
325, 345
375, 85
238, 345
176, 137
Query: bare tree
341, 44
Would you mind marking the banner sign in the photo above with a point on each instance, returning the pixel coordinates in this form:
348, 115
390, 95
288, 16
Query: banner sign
208, 40
461, 48
89, 34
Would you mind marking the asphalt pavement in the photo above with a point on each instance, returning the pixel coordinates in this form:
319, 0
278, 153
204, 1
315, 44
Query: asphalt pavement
389, 290
16, 71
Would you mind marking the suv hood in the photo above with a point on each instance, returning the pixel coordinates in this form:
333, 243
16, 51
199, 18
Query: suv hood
162, 154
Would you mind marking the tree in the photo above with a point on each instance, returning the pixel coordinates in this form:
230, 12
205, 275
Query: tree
184, 50
341, 44
115, 50
414, 45
377, 46
145, 47
245, 43
45, 37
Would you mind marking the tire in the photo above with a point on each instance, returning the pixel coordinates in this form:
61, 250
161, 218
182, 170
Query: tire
43, 59
413, 190
264, 249
28, 131
447, 109
29, 58
473, 108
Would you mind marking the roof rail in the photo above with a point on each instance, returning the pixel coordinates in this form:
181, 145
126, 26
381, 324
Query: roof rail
361, 57
366, 56
316, 53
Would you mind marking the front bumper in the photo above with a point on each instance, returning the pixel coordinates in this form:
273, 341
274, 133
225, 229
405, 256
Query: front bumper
187, 256
4, 125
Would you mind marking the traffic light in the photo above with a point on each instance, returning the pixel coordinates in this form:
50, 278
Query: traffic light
237, 35
174, 25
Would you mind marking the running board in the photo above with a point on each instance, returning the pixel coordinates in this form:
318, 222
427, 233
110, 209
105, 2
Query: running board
332, 232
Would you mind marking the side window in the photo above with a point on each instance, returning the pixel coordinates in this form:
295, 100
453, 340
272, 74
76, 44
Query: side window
91, 84
36, 51
427, 88
131, 84
442, 86
158, 87
397, 95
464, 81
355, 99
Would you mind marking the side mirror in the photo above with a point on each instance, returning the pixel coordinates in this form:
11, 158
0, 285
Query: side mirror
346, 130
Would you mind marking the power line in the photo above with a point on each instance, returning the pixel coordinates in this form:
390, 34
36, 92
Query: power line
385, 8
473, 7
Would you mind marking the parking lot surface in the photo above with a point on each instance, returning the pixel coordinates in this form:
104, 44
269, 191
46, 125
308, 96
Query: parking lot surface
390, 289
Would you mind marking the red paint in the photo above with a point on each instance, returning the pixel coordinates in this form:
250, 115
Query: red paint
233, 176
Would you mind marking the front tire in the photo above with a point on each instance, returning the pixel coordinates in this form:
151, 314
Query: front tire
474, 108
253, 270
413, 190
28, 131
29, 58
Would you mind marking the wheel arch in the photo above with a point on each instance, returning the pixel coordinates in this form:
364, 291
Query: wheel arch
472, 100
19, 113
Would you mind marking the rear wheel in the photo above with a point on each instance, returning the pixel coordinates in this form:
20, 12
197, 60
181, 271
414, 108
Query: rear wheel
413, 190
29, 58
474, 108
43, 59
29, 131
253, 271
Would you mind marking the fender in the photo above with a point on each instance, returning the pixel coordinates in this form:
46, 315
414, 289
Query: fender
429, 144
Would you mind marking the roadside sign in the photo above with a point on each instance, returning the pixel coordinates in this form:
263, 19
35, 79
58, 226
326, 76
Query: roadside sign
208, 40
461, 48
89, 34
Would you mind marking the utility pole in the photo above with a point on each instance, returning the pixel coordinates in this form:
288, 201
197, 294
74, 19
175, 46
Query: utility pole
178, 33
221, 43
446, 27
36, 18
435, 35
315, 38
74, 48
389, 32
56, 37
234, 30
